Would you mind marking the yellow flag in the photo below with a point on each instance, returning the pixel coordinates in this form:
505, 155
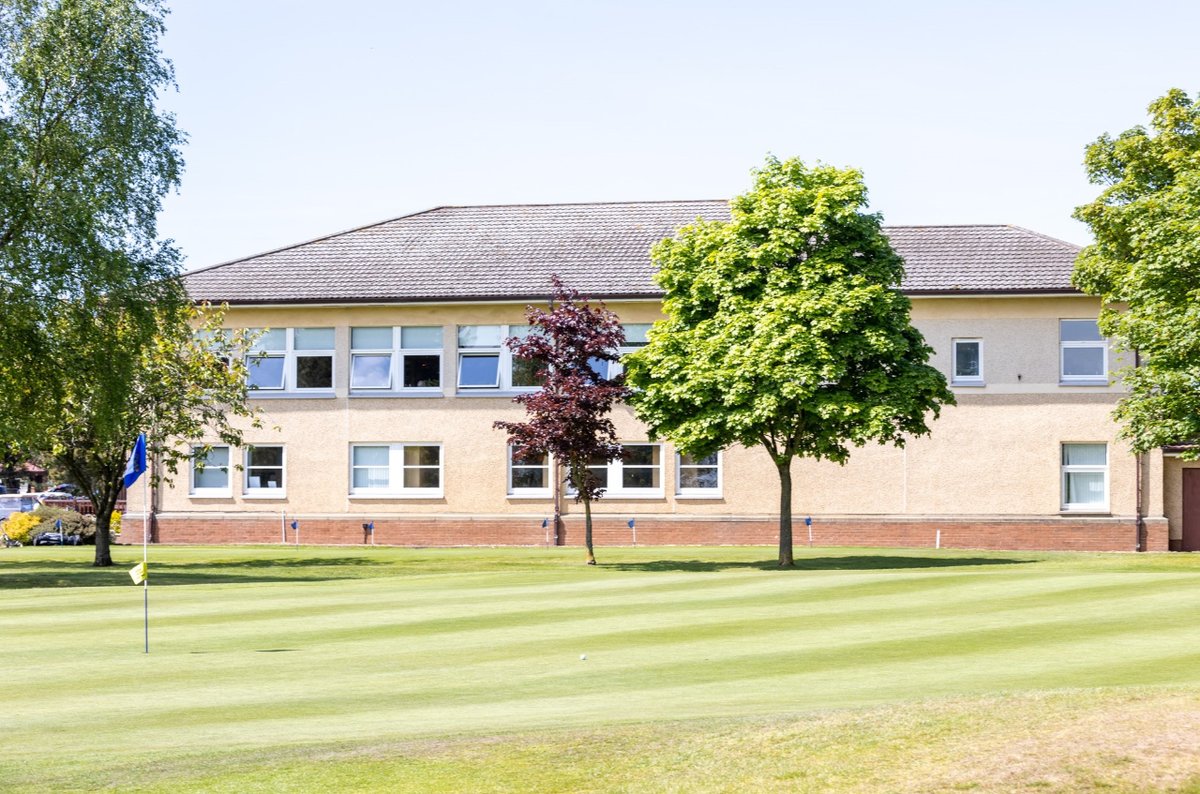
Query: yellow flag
138, 573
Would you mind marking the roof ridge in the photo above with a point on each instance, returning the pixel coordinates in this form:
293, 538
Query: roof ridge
316, 239
580, 203
1047, 237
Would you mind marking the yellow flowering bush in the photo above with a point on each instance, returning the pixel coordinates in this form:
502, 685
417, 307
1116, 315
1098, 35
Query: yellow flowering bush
19, 525
114, 526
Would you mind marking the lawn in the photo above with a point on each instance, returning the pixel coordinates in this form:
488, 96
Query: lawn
276, 668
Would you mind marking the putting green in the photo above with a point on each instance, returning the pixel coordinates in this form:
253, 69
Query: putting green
270, 649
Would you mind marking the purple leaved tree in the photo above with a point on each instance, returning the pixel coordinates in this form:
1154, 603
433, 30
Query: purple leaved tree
570, 346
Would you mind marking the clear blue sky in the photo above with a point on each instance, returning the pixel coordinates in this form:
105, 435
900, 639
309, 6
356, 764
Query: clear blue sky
311, 117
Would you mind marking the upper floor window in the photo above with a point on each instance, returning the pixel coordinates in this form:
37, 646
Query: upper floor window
291, 359
485, 362
968, 361
1083, 353
1085, 476
635, 337
402, 358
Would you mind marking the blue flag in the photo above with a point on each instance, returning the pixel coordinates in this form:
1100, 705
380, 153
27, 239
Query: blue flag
137, 461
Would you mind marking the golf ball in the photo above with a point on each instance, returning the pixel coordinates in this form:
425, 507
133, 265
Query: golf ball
583, 657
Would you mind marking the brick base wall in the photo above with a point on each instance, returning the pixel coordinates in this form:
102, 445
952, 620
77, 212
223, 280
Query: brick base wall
1043, 534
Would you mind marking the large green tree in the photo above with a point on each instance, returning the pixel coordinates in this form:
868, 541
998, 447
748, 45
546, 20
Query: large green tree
85, 159
1145, 266
785, 328
177, 378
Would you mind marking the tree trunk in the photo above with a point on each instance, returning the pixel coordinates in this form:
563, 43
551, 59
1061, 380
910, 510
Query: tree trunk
587, 531
785, 513
104, 508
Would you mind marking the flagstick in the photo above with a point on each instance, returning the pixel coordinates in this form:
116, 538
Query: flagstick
145, 553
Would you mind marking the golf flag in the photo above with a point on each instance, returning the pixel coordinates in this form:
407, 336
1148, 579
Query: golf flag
295, 525
138, 573
137, 461
632, 523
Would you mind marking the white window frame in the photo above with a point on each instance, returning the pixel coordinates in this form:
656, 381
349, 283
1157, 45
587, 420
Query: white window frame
1065, 469
206, 492
395, 488
615, 368
700, 493
397, 354
504, 365
290, 354
530, 493
965, 380
1063, 346
253, 492
616, 474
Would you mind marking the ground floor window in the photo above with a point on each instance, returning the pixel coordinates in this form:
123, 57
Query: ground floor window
210, 471
529, 475
1085, 476
638, 472
264, 471
396, 470
698, 476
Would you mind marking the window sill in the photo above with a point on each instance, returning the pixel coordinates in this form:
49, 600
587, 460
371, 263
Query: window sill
709, 496
487, 392
277, 496
211, 495
968, 384
316, 394
531, 495
1085, 511
627, 495
378, 496
390, 394
1097, 382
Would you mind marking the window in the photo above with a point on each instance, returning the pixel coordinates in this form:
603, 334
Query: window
1083, 352
1085, 477
291, 360
968, 361
210, 471
635, 337
398, 470
698, 476
529, 475
485, 362
407, 358
264, 472
638, 472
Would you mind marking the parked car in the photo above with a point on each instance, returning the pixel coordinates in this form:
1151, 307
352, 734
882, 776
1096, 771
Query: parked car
68, 488
56, 539
18, 503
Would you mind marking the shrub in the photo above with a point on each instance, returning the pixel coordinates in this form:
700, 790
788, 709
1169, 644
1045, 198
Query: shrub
72, 523
114, 523
19, 526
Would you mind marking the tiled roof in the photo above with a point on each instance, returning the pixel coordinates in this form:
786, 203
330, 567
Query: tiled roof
510, 252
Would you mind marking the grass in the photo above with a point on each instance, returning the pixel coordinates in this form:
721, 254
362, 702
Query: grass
275, 668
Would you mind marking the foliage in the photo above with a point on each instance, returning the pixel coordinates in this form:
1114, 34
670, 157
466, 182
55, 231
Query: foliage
73, 522
785, 327
20, 526
568, 416
184, 380
85, 159
114, 523
1145, 266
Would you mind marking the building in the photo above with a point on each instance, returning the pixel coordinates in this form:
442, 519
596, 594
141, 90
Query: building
384, 371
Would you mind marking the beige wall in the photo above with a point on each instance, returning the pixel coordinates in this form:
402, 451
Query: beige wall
996, 453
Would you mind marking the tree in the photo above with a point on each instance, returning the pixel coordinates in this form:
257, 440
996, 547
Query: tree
85, 158
568, 416
785, 328
1145, 267
172, 382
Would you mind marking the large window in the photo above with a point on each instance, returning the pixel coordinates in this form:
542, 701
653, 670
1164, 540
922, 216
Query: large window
635, 338
397, 470
1083, 353
529, 475
407, 358
968, 362
210, 471
264, 472
291, 360
485, 362
638, 472
698, 476
1085, 477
